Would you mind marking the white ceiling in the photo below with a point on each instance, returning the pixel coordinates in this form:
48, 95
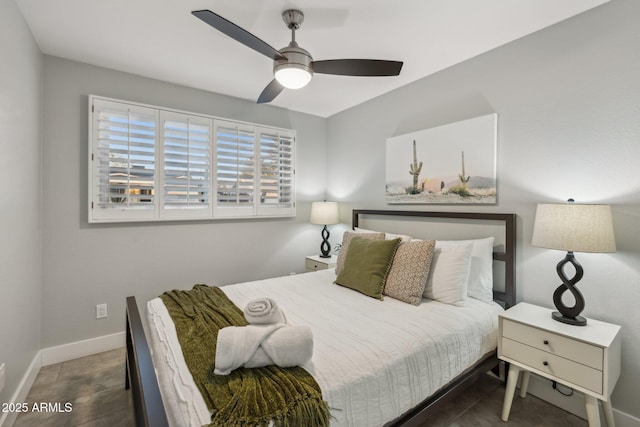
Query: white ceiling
162, 40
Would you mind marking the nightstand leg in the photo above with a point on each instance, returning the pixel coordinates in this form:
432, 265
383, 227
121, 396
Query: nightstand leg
512, 379
524, 385
593, 415
608, 413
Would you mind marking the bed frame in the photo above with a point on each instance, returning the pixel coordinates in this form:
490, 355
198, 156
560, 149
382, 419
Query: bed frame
141, 377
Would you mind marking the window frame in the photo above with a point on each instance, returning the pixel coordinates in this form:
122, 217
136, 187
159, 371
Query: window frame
284, 206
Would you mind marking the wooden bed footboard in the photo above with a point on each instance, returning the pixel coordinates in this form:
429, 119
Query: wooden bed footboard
140, 373
141, 377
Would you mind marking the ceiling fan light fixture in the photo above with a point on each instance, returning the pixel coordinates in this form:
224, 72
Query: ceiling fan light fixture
292, 76
296, 71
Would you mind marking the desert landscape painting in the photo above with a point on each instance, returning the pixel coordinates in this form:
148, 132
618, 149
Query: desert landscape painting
452, 163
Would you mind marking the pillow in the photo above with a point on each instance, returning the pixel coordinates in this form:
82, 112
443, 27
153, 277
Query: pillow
480, 284
387, 236
449, 274
346, 239
367, 265
409, 271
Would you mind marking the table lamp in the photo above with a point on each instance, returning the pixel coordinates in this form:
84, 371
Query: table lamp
573, 228
325, 213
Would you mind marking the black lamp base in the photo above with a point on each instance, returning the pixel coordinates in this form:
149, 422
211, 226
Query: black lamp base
577, 321
569, 315
325, 247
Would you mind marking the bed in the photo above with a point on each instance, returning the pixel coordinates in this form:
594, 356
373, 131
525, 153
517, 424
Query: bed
435, 376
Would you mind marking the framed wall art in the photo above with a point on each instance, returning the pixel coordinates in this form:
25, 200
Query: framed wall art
449, 164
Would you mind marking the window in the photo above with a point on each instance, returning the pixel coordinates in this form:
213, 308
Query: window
148, 163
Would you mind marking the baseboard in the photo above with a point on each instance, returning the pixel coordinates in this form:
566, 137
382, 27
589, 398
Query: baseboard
75, 350
541, 388
9, 418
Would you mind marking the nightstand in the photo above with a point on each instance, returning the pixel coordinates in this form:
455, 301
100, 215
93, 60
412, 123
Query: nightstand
585, 358
316, 262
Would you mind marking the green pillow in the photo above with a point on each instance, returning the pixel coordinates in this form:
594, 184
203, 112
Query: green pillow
367, 265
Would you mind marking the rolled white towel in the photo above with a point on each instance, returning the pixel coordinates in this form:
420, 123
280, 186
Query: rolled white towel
254, 346
263, 311
289, 346
237, 344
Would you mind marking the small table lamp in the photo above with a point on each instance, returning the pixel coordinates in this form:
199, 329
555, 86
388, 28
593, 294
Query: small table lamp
325, 213
573, 228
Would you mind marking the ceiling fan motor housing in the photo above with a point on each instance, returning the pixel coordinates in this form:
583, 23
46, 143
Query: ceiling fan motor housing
297, 58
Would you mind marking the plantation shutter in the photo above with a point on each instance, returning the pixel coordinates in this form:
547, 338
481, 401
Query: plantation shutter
187, 165
235, 178
150, 163
277, 171
123, 161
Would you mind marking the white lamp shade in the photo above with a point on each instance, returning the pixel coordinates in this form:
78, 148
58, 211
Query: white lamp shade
292, 77
324, 213
574, 227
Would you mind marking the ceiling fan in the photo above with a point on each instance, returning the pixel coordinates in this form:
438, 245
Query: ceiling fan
293, 66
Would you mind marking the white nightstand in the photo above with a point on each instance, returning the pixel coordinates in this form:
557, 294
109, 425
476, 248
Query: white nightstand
586, 358
316, 262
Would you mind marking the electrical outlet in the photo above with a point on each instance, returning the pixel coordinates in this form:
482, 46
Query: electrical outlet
2, 379
101, 311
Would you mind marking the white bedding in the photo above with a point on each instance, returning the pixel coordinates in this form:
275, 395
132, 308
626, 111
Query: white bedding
373, 360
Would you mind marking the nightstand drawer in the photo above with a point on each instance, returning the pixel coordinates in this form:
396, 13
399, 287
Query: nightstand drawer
549, 342
316, 262
553, 365
311, 265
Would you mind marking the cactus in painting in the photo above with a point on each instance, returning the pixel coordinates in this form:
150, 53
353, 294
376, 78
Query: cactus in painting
415, 169
463, 179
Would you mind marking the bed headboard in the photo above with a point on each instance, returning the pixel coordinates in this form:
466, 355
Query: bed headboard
504, 251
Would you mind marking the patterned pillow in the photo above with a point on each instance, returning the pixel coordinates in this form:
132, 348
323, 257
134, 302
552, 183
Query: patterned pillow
409, 271
346, 239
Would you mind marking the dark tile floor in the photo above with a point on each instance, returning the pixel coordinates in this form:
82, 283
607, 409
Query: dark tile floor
94, 386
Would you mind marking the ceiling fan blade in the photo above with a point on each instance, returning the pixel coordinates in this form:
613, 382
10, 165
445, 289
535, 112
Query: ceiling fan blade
358, 67
270, 92
243, 36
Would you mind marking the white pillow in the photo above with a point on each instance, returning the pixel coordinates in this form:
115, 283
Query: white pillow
480, 285
449, 274
387, 236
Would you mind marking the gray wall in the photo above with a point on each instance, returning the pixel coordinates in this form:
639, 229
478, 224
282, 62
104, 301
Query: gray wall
89, 264
568, 104
20, 206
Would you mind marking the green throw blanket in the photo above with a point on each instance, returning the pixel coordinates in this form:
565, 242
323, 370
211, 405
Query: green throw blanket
247, 397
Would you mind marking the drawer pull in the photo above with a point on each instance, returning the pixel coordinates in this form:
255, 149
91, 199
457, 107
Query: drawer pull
545, 342
545, 363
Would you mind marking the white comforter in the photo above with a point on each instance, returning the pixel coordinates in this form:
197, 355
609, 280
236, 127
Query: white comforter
373, 359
